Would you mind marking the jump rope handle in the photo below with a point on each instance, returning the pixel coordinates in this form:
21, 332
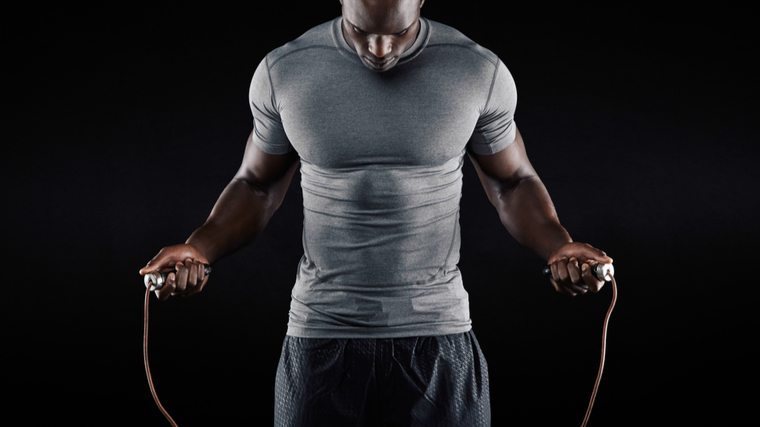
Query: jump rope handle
157, 280
601, 271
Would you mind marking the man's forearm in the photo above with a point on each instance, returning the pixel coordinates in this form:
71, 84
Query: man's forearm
239, 216
526, 210
236, 220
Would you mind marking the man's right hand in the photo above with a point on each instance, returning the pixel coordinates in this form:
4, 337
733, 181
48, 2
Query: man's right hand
188, 272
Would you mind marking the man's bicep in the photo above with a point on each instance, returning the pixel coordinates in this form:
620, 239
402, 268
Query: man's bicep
264, 170
507, 165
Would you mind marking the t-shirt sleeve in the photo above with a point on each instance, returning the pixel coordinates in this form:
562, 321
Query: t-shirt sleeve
268, 132
495, 129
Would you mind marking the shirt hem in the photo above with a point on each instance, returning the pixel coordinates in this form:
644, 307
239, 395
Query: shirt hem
378, 332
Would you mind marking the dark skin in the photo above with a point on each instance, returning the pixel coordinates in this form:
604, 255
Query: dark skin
379, 31
380, 42
526, 210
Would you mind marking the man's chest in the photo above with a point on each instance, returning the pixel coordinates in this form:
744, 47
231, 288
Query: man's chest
342, 118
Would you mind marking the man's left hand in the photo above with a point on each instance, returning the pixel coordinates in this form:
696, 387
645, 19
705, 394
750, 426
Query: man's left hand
571, 268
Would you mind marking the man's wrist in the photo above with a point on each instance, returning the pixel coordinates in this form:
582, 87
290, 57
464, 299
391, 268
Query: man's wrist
556, 246
196, 241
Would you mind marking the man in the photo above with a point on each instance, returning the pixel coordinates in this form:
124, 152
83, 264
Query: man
378, 108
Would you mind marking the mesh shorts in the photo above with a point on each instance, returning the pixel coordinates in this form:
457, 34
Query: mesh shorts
419, 381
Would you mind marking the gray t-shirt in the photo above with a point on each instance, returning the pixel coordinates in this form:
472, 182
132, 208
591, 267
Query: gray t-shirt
381, 174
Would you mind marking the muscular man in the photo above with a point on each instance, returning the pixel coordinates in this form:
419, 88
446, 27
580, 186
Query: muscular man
378, 108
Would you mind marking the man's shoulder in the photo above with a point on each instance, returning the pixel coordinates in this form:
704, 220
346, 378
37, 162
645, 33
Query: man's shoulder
446, 37
318, 37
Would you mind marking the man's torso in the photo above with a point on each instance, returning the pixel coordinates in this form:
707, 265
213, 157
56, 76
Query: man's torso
381, 158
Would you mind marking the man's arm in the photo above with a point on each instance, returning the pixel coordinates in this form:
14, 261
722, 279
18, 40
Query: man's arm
238, 217
526, 210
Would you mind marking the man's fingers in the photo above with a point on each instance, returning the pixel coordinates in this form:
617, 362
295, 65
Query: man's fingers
559, 270
561, 288
573, 270
200, 280
598, 255
160, 261
187, 268
567, 277
201, 273
169, 287
193, 274
198, 288
593, 283
181, 281
191, 279
150, 267
571, 267
580, 251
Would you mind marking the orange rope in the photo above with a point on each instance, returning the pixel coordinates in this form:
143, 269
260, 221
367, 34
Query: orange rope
145, 358
585, 419
604, 349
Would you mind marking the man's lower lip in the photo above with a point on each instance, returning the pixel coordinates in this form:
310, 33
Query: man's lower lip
378, 65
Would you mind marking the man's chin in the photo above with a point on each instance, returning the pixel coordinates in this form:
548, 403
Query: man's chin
380, 66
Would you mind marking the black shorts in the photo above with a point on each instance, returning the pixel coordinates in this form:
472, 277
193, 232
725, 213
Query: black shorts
419, 381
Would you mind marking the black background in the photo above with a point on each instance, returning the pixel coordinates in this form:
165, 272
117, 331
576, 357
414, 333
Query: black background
123, 123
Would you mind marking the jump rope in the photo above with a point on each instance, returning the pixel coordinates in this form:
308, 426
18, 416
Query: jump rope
156, 281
